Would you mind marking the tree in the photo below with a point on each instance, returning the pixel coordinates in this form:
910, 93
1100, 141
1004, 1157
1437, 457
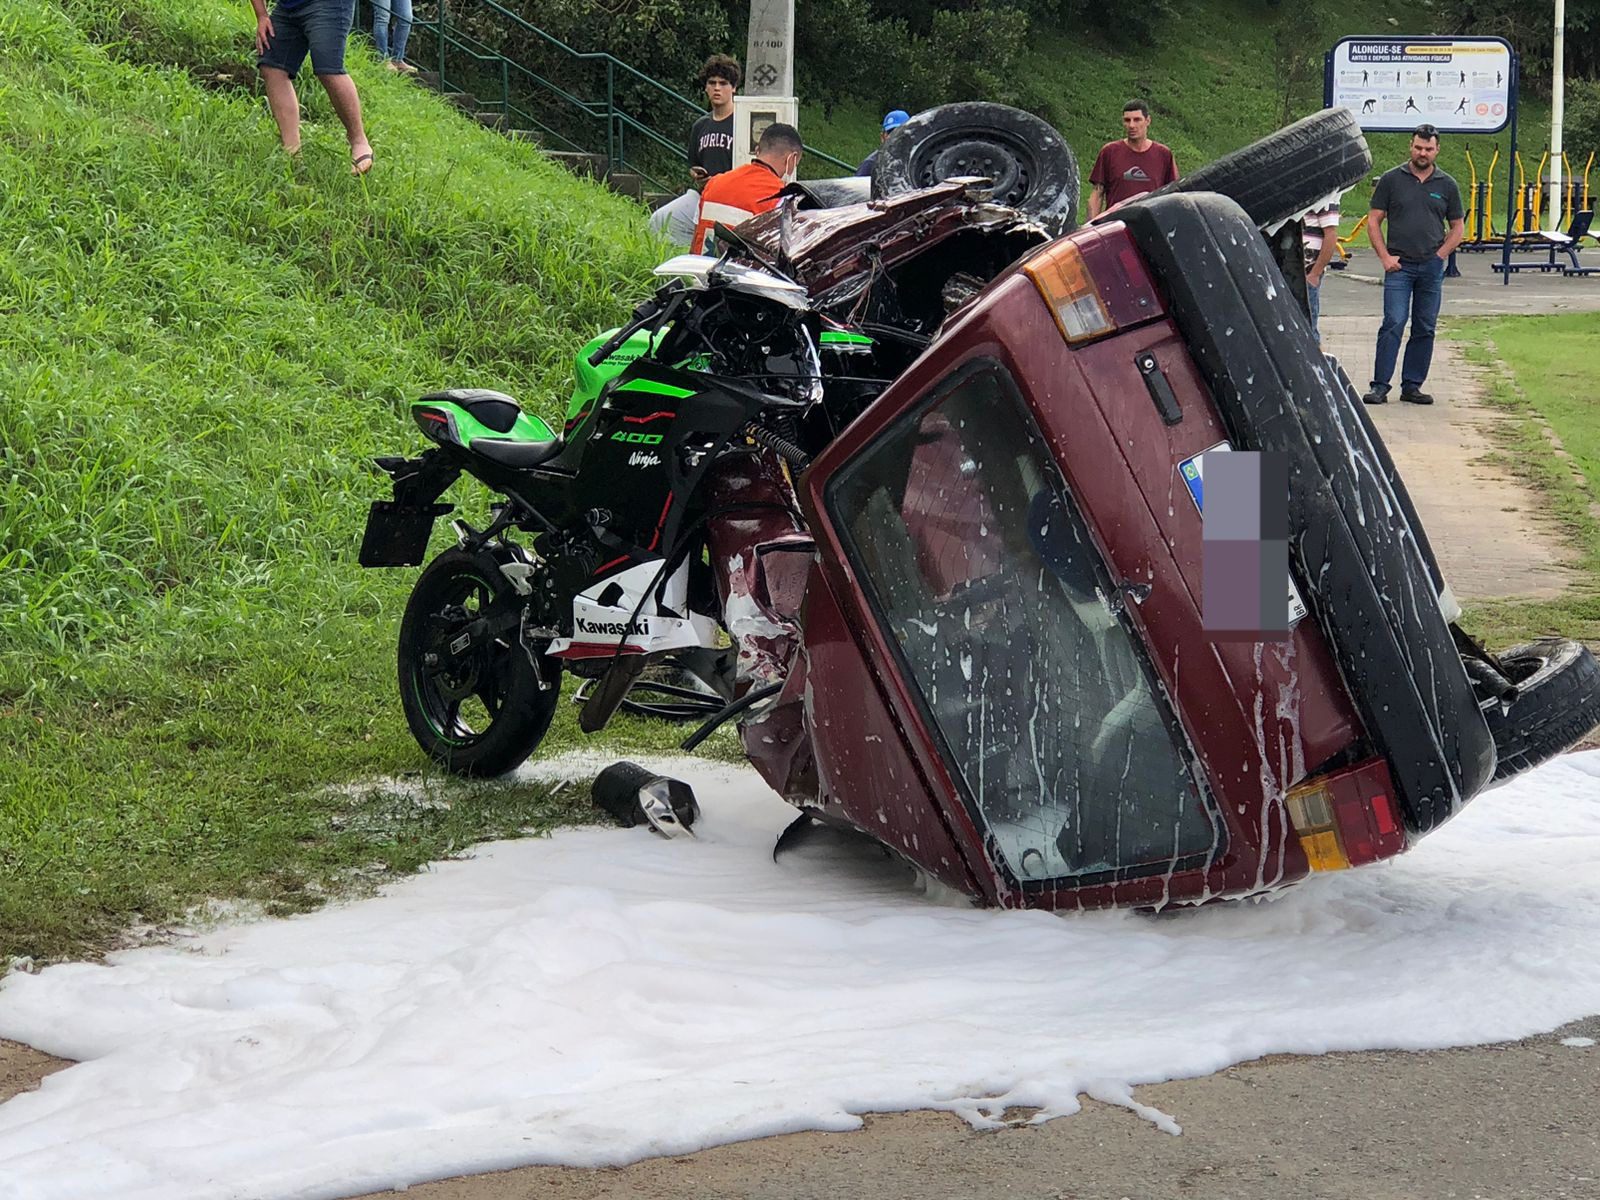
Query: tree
1300, 36
1529, 25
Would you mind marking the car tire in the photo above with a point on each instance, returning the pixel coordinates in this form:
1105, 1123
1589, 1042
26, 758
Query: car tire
1380, 454
1365, 581
1285, 173
1032, 166
1557, 702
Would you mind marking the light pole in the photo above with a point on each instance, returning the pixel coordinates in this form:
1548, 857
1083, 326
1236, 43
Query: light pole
1557, 105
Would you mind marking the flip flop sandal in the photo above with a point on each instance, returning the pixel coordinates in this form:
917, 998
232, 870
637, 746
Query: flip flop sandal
362, 164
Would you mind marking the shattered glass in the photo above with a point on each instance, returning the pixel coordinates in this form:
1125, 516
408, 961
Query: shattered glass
1011, 630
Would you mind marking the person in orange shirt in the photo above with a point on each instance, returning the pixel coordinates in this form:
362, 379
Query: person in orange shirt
741, 193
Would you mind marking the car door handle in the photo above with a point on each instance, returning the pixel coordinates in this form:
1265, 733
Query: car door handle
1156, 384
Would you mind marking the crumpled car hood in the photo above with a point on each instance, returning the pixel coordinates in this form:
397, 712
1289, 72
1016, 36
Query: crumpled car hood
825, 245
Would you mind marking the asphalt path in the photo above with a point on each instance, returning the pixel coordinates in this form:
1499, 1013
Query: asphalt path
1493, 536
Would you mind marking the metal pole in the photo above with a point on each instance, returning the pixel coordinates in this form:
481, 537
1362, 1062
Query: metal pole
1557, 106
611, 116
443, 19
1505, 249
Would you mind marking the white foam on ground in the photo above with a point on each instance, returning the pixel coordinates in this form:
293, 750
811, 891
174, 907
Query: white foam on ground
605, 995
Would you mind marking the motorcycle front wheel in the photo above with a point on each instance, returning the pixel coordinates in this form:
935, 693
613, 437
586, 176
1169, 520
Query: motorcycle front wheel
482, 710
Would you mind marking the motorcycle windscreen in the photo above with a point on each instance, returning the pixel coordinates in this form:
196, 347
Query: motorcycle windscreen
980, 567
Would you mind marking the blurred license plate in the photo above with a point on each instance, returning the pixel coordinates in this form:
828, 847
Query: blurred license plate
1192, 472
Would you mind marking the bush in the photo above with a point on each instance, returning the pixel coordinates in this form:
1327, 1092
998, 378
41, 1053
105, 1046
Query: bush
911, 56
1580, 132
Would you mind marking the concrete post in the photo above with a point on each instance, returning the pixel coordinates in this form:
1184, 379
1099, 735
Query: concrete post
768, 92
1558, 87
769, 60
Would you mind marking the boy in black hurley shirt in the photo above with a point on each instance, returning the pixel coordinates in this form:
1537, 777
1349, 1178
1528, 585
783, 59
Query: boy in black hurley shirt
710, 150
711, 137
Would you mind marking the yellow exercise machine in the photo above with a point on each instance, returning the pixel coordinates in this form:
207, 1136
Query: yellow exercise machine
1481, 233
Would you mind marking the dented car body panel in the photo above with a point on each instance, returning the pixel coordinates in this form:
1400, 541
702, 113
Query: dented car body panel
1157, 775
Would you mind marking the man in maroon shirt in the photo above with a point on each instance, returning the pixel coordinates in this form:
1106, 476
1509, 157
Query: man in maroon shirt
1132, 166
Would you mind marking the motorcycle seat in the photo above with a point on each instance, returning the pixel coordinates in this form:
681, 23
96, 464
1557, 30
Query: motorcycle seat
502, 414
494, 410
516, 454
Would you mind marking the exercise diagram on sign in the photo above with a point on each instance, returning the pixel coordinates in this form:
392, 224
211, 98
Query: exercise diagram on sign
1393, 84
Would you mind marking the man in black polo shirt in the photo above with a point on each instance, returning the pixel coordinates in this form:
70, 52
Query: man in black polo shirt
1423, 208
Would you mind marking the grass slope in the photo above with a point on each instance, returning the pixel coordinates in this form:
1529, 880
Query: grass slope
201, 346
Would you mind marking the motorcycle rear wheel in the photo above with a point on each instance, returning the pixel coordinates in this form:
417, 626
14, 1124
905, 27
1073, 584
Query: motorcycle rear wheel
481, 713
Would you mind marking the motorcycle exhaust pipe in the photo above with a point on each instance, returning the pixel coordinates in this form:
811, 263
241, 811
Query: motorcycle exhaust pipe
634, 795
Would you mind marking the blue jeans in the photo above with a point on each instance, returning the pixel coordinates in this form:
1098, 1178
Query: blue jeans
394, 48
1314, 306
314, 27
1416, 288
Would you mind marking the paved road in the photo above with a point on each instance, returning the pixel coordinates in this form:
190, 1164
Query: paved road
1492, 535
1479, 292
1511, 1122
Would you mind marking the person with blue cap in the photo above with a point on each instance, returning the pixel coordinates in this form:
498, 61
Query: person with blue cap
892, 120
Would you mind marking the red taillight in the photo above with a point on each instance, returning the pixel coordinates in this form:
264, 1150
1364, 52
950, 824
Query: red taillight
433, 423
1347, 818
1094, 282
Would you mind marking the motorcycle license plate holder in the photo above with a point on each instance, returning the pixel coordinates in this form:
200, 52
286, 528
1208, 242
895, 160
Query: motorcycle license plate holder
397, 533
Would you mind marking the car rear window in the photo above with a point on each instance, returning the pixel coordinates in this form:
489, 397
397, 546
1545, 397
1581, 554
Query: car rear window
980, 567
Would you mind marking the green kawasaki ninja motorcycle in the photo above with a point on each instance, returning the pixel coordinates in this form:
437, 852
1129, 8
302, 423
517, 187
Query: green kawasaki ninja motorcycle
635, 539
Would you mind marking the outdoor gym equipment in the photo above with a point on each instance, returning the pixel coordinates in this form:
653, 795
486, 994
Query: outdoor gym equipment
1525, 215
1555, 242
1481, 233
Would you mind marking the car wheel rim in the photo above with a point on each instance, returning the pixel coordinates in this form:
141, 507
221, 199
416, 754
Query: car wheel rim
1010, 164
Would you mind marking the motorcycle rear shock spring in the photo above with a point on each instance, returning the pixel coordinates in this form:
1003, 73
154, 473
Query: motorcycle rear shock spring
780, 446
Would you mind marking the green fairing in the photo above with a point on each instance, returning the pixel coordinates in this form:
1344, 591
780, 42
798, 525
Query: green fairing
527, 428
587, 380
652, 388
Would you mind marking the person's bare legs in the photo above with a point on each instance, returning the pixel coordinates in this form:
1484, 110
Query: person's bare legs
341, 91
285, 106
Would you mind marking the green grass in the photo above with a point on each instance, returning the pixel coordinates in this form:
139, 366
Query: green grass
1544, 375
202, 345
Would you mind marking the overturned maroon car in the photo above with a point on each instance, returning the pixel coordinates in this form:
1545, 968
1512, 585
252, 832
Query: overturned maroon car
924, 518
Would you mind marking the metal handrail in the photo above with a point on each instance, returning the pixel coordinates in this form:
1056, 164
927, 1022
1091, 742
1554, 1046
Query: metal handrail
612, 62
617, 120
505, 105
508, 109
